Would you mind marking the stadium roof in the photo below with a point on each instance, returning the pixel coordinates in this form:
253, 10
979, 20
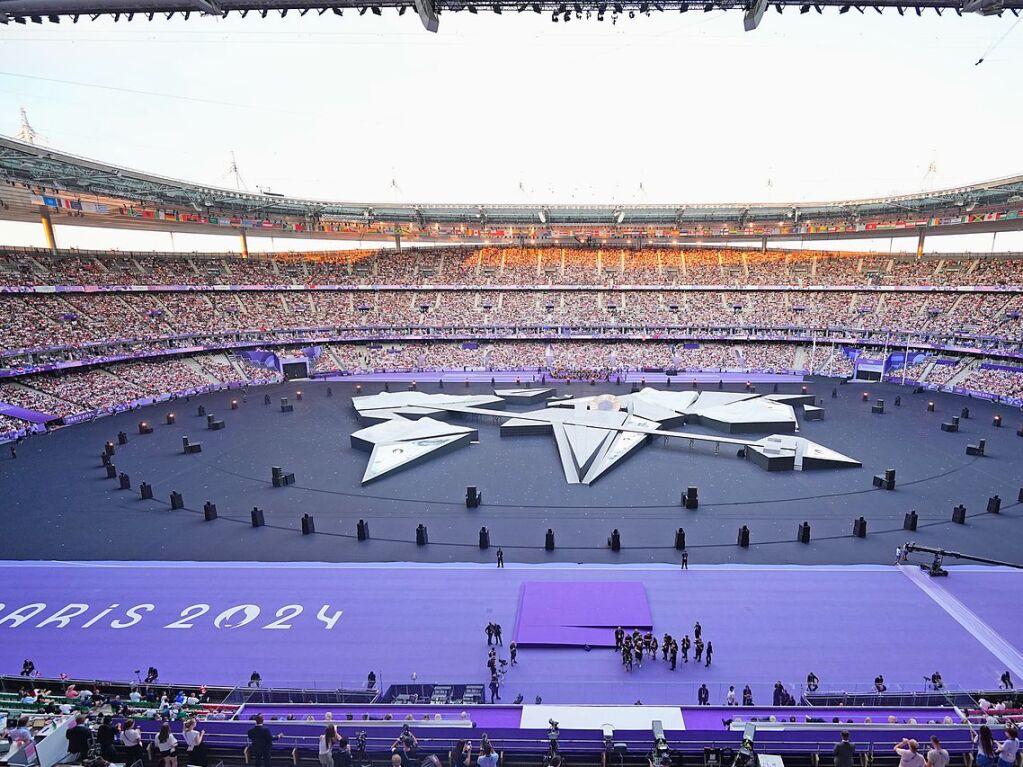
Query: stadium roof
37, 11
47, 168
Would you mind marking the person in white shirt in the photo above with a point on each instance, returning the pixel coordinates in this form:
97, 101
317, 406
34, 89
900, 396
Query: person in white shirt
191, 700
131, 739
135, 696
730, 698
937, 756
167, 745
193, 740
1009, 747
907, 751
327, 741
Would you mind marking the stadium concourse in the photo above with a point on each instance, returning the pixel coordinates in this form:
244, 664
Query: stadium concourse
267, 552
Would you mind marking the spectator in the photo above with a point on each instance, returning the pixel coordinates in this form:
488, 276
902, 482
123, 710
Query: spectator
1009, 747
986, 749
328, 739
845, 752
937, 756
79, 738
907, 751
166, 744
131, 739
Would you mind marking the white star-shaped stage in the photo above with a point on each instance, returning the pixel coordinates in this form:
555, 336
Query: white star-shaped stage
593, 434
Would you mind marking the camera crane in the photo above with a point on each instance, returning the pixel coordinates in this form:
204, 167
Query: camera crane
935, 569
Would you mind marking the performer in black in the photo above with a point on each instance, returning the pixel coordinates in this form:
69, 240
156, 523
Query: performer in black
674, 654
666, 646
653, 647
879, 684
697, 630
500, 557
619, 638
812, 682
490, 634
699, 649
638, 650
686, 644
703, 695
497, 634
513, 651
627, 658
747, 696
710, 651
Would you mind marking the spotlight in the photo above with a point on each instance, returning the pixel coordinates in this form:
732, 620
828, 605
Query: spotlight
362, 11
401, 11
497, 9
632, 14
376, 11
536, 8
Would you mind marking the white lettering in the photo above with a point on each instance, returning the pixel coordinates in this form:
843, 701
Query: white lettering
91, 621
329, 620
188, 614
286, 613
64, 615
133, 614
223, 621
22, 614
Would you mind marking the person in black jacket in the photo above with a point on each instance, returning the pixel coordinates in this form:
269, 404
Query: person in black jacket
703, 695
262, 741
79, 738
106, 735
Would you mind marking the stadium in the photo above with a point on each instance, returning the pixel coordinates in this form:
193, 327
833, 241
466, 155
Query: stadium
367, 480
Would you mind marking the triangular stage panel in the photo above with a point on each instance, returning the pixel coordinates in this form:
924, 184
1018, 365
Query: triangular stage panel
391, 456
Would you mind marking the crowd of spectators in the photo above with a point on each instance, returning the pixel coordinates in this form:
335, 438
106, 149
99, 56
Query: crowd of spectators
551, 264
1004, 383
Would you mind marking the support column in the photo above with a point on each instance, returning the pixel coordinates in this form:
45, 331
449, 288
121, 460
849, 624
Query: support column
920, 243
244, 242
763, 243
51, 241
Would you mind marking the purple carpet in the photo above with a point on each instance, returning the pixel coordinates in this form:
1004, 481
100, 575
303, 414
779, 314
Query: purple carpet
327, 626
579, 614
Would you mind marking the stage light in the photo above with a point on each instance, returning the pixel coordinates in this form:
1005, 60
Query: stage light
472, 9
401, 11
497, 10
376, 11
778, 8
844, 9
362, 11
